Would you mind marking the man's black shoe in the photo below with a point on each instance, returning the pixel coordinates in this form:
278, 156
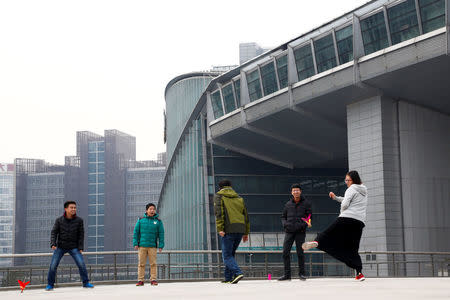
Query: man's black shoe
302, 277
284, 277
237, 278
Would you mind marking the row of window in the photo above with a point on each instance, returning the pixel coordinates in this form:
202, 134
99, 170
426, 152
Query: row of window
383, 28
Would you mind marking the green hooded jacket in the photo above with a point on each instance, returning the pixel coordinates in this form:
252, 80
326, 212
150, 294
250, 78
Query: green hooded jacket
149, 232
231, 212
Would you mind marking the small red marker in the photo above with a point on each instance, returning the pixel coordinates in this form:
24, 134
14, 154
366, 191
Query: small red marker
22, 285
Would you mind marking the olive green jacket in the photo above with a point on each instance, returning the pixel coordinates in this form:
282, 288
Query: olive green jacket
231, 212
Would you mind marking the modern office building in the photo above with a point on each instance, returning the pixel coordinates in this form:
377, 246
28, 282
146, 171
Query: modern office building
366, 91
96, 178
248, 51
6, 211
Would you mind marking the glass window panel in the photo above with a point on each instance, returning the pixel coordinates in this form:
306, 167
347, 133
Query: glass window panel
237, 89
216, 102
304, 62
92, 178
269, 79
101, 156
254, 87
101, 188
374, 33
92, 167
101, 178
325, 54
282, 70
92, 146
432, 13
92, 189
101, 146
92, 157
344, 40
101, 167
101, 199
228, 98
403, 21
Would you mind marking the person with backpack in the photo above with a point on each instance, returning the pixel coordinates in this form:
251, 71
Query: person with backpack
148, 235
232, 225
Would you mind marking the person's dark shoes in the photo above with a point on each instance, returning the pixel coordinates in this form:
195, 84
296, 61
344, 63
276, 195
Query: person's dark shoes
237, 278
302, 277
154, 282
88, 285
225, 281
140, 283
284, 277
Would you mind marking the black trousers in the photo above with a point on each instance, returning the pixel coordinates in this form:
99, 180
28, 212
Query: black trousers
289, 238
341, 240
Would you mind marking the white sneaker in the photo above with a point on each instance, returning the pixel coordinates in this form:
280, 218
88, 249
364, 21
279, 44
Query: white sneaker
310, 245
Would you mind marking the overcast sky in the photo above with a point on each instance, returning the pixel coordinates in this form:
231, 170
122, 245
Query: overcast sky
67, 66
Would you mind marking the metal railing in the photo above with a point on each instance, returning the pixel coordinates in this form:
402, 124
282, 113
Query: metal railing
183, 265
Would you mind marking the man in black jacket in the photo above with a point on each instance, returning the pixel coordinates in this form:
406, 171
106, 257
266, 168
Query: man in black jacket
68, 237
295, 229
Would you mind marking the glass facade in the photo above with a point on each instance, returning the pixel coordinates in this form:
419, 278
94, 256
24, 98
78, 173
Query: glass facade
378, 31
6, 212
304, 62
143, 186
181, 99
266, 188
432, 14
269, 79
403, 23
282, 69
45, 203
96, 199
228, 98
254, 85
325, 54
344, 43
237, 91
374, 33
216, 101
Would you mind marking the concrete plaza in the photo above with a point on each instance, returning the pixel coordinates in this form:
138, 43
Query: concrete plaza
323, 288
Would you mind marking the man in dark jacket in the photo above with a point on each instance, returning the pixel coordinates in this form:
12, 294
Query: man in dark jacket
294, 219
232, 225
148, 235
68, 237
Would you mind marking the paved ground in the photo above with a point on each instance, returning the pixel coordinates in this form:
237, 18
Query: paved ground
312, 289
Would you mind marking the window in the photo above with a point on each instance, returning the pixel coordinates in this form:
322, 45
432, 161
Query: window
228, 98
254, 87
282, 71
304, 62
374, 33
344, 43
403, 21
269, 79
325, 54
237, 90
216, 102
432, 13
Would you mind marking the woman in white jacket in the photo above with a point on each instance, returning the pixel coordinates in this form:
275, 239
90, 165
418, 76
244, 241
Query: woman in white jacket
341, 239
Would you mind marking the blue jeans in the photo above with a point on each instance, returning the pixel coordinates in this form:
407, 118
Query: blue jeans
56, 258
230, 242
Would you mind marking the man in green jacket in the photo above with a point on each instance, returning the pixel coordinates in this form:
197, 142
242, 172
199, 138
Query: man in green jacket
148, 236
232, 225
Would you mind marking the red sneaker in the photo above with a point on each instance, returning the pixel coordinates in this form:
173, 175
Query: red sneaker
140, 283
360, 277
154, 282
